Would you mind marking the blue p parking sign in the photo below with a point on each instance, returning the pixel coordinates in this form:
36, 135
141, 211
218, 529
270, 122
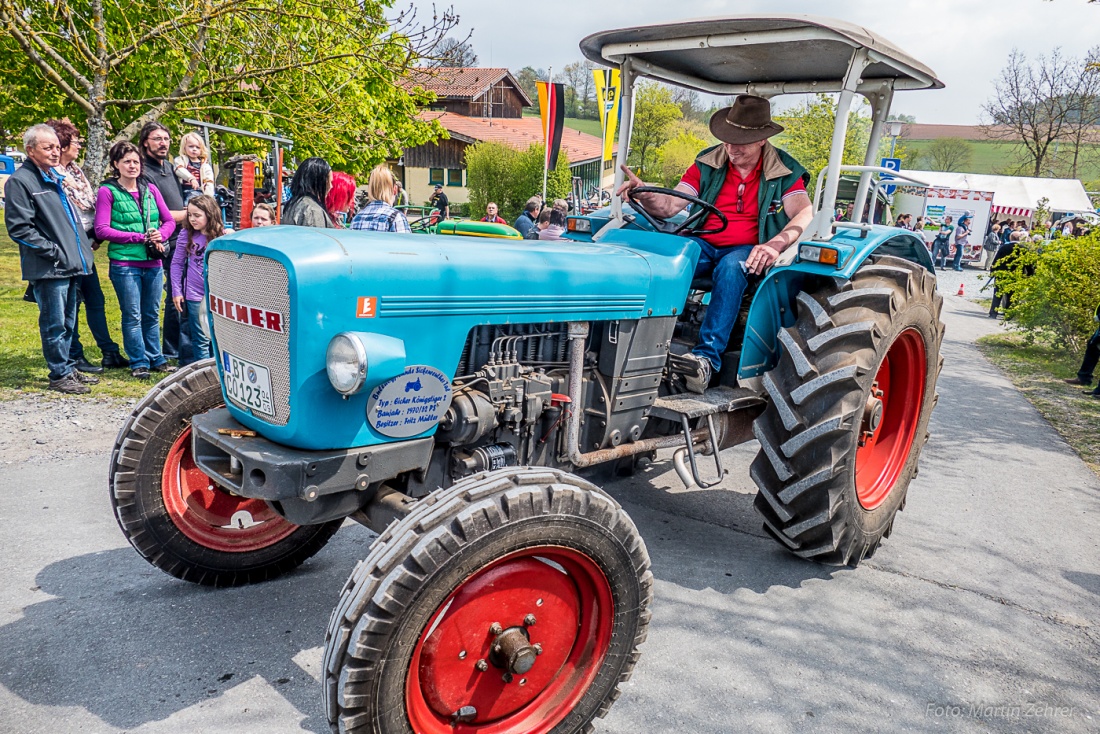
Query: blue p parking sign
894, 164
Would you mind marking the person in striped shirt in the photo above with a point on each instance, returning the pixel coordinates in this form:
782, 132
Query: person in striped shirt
379, 215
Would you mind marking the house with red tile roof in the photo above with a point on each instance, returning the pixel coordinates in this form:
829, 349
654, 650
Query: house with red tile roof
475, 105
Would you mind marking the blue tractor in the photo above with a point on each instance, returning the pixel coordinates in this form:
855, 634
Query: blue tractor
455, 395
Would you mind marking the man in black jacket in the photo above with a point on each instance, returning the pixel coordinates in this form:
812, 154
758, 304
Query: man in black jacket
53, 251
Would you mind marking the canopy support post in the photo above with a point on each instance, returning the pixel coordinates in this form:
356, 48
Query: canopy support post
880, 108
626, 120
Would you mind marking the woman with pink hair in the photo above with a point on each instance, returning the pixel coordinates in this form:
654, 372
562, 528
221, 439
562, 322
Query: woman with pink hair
341, 197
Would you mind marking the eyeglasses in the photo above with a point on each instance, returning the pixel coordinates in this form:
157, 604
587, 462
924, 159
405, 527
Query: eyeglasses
741, 197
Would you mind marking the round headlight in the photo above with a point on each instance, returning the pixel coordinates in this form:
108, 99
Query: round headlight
346, 363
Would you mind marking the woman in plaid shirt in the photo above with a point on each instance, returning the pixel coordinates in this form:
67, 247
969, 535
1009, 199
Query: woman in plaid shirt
379, 215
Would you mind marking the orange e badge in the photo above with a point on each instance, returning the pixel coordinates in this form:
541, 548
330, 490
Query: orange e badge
368, 307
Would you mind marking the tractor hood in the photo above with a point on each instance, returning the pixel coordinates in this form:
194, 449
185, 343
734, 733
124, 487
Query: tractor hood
420, 294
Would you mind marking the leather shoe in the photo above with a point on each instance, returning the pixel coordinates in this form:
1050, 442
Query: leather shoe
140, 373
1076, 381
84, 378
163, 368
114, 360
87, 367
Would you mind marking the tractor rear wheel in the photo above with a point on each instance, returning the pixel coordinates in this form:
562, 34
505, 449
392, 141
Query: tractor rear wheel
850, 401
513, 602
175, 516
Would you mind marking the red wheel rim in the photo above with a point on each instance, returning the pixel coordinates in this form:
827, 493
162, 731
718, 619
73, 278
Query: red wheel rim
211, 517
573, 612
881, 458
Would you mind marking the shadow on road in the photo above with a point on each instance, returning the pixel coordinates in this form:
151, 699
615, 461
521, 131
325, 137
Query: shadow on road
131, 645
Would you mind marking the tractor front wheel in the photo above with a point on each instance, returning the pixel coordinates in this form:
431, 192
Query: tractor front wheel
511, 603
179, 519
850, 401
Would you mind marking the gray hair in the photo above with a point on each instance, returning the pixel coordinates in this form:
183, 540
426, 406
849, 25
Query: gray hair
30, 138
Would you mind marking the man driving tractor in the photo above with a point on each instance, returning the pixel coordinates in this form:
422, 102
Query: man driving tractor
762, 192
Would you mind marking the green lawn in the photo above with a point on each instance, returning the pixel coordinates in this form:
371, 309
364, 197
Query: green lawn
1000, 158
22, 367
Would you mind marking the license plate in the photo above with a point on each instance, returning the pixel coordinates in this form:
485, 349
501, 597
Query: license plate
248, 384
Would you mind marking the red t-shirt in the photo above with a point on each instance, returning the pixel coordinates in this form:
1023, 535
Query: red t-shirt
495, 220
743, 228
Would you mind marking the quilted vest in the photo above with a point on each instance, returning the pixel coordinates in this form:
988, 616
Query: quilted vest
126, 216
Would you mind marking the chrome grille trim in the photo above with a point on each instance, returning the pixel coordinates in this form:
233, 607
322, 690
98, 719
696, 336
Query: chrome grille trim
261, 282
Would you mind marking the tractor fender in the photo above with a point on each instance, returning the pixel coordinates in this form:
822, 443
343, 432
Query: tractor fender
773, 308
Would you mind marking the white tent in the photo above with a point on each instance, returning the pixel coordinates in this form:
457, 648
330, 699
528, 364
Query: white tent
1015, 195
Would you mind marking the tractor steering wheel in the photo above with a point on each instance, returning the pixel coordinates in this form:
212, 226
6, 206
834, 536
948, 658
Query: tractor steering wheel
702, 210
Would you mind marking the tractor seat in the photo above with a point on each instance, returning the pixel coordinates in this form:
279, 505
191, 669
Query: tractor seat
702, 283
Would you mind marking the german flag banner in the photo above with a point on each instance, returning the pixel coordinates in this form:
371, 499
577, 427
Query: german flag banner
552, 111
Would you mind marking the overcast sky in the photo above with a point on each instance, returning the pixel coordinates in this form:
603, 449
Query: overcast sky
966, 42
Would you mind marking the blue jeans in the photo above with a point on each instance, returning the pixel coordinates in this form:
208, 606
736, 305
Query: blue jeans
91, 293
56, 299
139, 292
723, 264
200, 342
957, 262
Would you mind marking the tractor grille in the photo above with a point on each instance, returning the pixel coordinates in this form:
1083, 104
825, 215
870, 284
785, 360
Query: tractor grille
260, 282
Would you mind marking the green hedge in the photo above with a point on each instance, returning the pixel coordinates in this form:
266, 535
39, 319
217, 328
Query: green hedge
1055, 289
498, 173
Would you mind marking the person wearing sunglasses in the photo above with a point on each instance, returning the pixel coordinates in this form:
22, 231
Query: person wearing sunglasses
762, 192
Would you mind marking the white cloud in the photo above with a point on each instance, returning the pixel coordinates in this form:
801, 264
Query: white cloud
966, 42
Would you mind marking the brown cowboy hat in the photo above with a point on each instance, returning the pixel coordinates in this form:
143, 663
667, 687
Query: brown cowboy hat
748, 120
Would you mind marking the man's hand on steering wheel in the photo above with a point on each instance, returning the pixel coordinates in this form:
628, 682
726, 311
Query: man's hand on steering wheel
638, 193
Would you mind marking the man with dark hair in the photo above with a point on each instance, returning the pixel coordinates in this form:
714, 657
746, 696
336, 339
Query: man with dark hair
527, 219
156, 168
53, 251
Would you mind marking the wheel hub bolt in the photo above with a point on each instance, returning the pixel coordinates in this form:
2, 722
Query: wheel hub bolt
495, 628
507, 677
481, 665
529, 620
538, 648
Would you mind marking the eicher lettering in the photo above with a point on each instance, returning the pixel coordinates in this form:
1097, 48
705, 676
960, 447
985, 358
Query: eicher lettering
249, 315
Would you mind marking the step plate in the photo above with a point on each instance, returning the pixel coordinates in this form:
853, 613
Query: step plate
715, 400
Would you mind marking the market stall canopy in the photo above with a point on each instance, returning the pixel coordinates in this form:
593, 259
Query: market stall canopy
1015, 195
758, 54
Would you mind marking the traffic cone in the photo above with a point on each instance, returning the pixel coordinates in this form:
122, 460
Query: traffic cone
960, 293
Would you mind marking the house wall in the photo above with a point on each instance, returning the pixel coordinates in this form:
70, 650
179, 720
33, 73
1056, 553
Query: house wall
420, 188
502, 101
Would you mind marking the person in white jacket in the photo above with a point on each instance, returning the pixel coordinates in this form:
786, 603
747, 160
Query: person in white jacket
193, 169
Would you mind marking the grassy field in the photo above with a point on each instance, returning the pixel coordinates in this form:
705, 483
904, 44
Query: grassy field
22, 367
1001, 158
1038, 372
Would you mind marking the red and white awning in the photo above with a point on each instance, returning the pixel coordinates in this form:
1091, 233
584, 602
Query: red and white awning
1012, 211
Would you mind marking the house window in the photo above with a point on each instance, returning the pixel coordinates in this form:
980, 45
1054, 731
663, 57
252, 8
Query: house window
454, 176
435, 176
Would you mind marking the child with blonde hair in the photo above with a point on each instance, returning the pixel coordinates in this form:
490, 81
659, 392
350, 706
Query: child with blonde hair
193, 169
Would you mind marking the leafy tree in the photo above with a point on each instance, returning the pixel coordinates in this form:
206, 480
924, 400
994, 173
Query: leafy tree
948, 154
654, 114
579, 90
498, 173
322, 72
527, 78
679, 152
454, 53
808, 134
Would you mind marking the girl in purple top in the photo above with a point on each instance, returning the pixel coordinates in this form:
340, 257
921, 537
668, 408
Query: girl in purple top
203, 224
133, 219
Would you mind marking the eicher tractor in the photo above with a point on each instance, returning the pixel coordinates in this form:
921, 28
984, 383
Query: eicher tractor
452, 394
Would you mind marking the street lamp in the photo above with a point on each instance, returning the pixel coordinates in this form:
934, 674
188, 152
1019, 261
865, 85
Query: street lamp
894, 131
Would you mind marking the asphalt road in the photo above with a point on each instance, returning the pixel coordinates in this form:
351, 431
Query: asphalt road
981, 613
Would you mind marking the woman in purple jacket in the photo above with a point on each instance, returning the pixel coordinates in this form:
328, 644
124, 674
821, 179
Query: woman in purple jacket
133, 218
203, 224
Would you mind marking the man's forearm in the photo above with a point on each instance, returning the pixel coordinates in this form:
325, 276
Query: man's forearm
793, 231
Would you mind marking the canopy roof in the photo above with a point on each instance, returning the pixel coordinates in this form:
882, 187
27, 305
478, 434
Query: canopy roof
761, 54
1016, 192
